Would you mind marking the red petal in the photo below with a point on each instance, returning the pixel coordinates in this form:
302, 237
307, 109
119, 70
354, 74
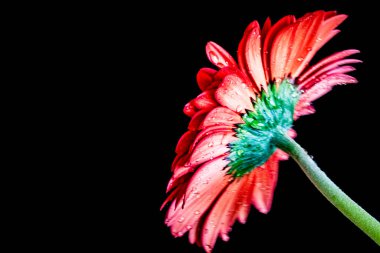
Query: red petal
244, 202
205, 100
233, 203
189, 109
293, 45
205, 77
197, 119
249, 54
208, 131
325, 62
185, 141
266, 28
280, 52
218, 56
265, 183
204, 186
268, 42
216, 220
325, 33
179, 160
221, 116
179, 185
235, 94
210, 147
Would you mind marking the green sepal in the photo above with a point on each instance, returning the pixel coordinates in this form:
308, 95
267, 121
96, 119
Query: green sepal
273, 112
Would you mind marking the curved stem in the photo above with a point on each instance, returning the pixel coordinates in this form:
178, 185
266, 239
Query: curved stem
333, 193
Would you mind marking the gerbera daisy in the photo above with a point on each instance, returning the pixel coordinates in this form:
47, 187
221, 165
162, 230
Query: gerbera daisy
228, 159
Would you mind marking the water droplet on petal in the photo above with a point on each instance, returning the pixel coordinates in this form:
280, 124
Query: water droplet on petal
300, 59
239, 108
189, 227
309, 49
181, 219
180, 234
225, 237
208, 248
197, 212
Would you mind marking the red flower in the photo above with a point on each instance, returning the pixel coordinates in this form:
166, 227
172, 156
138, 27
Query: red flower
211, 186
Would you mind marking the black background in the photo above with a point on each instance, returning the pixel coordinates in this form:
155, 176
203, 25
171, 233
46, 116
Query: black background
169, 41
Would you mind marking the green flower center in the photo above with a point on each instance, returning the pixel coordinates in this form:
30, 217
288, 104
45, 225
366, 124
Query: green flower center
273, 114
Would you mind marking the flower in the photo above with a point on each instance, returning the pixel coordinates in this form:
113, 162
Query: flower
226, 160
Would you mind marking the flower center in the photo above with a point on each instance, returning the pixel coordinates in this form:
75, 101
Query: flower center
273, 114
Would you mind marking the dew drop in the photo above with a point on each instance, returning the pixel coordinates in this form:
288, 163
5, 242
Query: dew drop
206, 181
181, 219
309, 49
300, 59
197, 212
208, 248
180, 234
210, 144
239, 108
225, 237
213, 57
189, 227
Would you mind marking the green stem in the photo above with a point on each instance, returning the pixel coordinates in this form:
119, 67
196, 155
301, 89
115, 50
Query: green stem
333, 193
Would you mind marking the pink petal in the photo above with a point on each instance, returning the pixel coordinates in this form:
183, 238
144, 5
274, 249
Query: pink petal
235, 94
205, 78
331, 68
210, 147
337, 57
218, 56
265, 183
305, 37
180, 171
221, 116
303, 109
324, 86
